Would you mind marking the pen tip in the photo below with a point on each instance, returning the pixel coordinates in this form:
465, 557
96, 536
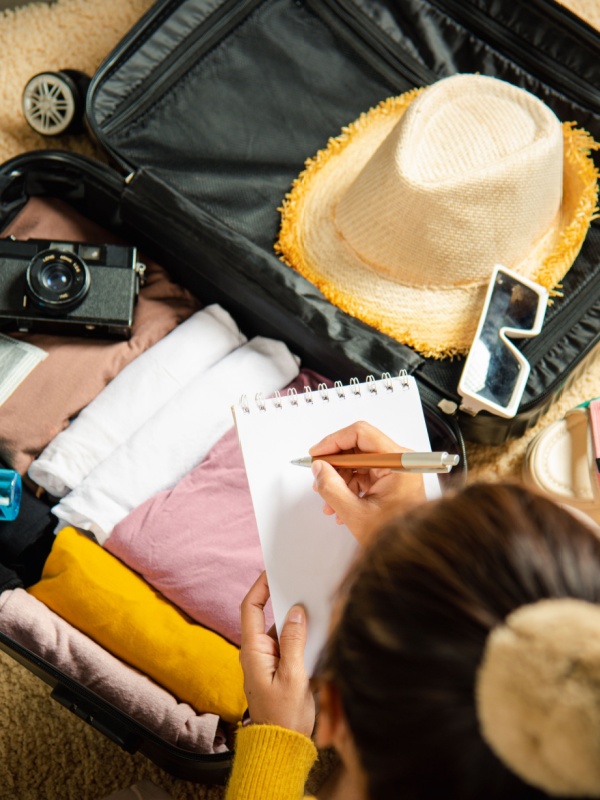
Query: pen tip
301, 462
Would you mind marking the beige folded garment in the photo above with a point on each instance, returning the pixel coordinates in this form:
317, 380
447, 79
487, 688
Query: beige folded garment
33, 625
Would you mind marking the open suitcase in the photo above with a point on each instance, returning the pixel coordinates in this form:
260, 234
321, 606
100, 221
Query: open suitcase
208, 111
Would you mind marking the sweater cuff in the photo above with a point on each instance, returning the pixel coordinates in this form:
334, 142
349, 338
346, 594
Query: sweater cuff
270, 762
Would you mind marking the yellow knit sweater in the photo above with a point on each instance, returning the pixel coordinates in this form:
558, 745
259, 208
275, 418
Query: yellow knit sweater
271, 763
116, 607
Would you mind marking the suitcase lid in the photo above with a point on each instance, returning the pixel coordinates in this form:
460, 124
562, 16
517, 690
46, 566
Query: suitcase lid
211, 75
212, 109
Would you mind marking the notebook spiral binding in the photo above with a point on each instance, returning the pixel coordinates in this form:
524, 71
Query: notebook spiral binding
292, 398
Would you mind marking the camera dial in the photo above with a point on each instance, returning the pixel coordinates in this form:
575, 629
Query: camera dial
56, 280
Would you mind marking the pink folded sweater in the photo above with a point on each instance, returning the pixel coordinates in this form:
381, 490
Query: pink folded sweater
197, 543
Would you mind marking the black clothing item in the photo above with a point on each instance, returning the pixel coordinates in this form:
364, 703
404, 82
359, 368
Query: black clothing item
26, 541
9, 579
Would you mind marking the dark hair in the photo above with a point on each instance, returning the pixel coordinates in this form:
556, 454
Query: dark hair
412, 624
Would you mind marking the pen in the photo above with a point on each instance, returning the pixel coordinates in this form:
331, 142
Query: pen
396, 462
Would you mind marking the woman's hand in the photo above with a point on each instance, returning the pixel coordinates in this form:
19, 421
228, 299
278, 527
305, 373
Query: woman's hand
275, 681
363, 499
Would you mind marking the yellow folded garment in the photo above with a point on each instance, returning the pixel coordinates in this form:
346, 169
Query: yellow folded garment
98, 594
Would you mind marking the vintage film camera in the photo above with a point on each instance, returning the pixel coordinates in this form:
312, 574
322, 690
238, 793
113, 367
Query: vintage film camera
68, 287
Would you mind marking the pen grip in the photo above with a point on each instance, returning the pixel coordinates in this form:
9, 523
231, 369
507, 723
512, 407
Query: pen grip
399, 462
363, 460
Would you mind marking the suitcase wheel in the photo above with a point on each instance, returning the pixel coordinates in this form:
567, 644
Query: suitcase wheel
54, 102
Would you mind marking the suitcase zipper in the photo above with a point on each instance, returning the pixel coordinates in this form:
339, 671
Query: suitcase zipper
561, 323
177, 63
367, 40
492, 31
540, 348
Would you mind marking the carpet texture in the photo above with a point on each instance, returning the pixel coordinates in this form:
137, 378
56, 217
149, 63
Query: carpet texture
46, 753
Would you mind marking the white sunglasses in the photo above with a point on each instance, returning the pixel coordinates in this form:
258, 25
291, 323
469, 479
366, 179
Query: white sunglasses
495, 371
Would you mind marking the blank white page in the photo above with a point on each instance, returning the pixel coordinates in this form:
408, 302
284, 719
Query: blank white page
306, 553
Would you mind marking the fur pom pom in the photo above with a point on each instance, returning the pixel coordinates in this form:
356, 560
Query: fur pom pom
538, 696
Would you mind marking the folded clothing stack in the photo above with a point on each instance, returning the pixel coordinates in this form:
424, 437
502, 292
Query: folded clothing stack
157, 444
173, 440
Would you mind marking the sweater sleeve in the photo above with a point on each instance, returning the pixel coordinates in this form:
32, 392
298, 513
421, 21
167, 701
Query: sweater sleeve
271, 763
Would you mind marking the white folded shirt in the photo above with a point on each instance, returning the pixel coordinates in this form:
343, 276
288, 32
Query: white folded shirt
176, 438
133, 396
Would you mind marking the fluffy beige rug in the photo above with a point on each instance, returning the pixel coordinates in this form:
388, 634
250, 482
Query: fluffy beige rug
46, 752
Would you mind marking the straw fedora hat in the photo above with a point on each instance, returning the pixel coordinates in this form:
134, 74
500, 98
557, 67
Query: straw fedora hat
400, 220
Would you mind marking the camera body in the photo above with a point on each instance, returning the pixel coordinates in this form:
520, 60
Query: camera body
68, 287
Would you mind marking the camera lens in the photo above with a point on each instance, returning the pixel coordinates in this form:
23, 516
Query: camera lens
56, 277
56, 280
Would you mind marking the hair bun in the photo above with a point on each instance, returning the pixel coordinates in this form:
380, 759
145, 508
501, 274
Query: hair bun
538, 696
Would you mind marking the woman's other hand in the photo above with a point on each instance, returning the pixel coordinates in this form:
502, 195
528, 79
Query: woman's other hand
363, 499
275, 681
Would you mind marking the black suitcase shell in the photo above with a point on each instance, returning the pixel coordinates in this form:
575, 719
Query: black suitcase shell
208, 109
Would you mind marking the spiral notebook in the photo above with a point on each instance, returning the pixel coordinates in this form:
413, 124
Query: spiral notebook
305, 552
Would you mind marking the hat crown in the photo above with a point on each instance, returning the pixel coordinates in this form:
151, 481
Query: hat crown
470, 176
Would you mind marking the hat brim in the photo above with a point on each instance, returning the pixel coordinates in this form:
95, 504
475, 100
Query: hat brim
435, 322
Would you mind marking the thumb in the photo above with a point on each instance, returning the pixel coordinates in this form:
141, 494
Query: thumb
292, 638
332, 488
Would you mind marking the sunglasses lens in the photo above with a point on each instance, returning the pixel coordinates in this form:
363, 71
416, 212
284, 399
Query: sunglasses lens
512, 305
492, 369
